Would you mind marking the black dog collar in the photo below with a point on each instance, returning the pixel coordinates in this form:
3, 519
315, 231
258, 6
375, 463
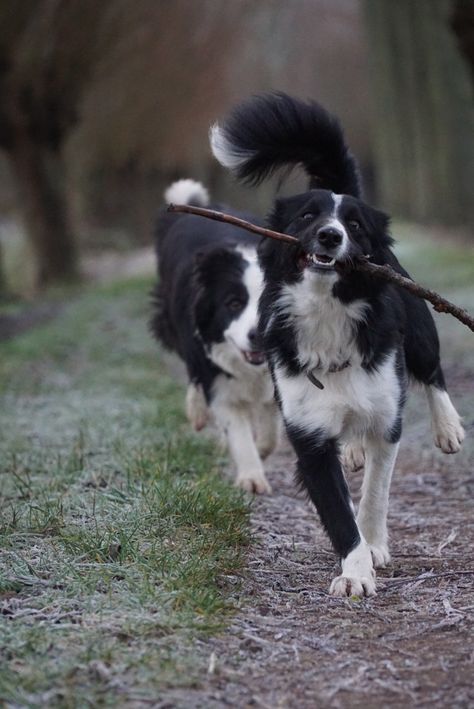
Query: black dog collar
333, 368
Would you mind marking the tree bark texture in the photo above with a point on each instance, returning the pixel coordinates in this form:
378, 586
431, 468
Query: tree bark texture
423, 111
39, 174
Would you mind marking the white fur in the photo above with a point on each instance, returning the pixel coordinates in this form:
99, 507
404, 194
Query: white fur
358, 577
227, 154
325, 327
240, 327
243, 406
380, 457
267, 426
196, 407
186, 191
353, 455
352, 402
335, 223
236, 404
228, 354
445, 421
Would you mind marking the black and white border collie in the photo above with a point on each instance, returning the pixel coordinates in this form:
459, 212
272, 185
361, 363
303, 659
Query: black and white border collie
206, 310
341, 346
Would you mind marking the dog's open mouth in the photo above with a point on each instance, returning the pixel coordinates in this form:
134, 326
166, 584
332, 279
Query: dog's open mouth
253, 356
317, 262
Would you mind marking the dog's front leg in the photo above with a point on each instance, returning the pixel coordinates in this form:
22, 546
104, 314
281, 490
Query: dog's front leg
267, 428
320, 471
380, 456
236, 424
197, 410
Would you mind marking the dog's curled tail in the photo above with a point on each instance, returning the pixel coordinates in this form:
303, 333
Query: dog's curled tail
270, 131
187, 192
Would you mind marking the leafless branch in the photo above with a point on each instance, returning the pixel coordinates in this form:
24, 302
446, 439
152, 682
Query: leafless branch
229, 219
385, 272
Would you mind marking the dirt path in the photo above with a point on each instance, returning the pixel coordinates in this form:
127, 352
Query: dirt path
292, 645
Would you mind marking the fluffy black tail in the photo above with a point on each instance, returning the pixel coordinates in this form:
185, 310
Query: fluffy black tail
270, 131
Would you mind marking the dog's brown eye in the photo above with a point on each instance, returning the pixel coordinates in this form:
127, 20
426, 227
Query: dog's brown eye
307, 216
234, 305
354, 224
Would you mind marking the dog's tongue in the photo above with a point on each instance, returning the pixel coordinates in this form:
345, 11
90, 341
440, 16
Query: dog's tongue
254, 357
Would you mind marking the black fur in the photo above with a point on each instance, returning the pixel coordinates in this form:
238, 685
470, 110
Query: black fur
200, 272
276, 130
264, 135
327, 488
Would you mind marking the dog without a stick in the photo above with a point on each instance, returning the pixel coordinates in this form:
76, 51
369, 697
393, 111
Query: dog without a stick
386, 272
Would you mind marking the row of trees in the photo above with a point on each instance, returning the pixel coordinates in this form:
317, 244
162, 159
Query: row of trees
422, 59
48, 50
181, 63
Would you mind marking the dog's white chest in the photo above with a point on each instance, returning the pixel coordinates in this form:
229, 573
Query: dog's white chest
352, 401
244, 389
324, 327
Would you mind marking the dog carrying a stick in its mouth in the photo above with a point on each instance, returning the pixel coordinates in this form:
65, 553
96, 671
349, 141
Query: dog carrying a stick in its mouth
341, 345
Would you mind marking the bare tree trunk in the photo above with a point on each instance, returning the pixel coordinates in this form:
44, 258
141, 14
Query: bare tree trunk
3, 285
39, 174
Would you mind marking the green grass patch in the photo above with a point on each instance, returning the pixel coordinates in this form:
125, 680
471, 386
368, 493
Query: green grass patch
120, 541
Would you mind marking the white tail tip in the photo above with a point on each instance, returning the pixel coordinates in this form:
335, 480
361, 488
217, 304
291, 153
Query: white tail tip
187, 192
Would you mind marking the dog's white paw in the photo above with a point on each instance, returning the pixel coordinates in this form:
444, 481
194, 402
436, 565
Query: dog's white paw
446, 422
380, 555
449, 435
346, 586
256, 483
353, 456
197, 410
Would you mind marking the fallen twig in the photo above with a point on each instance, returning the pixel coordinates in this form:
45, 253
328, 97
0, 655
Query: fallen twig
385, 272
424, 577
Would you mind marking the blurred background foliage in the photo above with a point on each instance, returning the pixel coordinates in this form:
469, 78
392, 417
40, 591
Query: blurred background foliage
102, 104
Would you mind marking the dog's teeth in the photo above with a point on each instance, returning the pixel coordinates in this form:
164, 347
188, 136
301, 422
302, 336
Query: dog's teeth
319, 262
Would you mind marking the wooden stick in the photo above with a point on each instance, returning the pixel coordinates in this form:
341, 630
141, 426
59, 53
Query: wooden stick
229, 219
385, 272
440, 304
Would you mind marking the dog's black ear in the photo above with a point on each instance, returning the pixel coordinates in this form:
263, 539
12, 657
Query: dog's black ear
271, 253
267, 253
208, 265
378, 228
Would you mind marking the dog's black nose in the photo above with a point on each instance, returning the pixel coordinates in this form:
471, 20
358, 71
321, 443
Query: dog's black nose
329, 237
252, 334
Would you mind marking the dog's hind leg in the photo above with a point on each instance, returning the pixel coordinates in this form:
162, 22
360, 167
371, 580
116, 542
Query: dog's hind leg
448, 432
380, 456
423, 364
353, 455
445, 421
